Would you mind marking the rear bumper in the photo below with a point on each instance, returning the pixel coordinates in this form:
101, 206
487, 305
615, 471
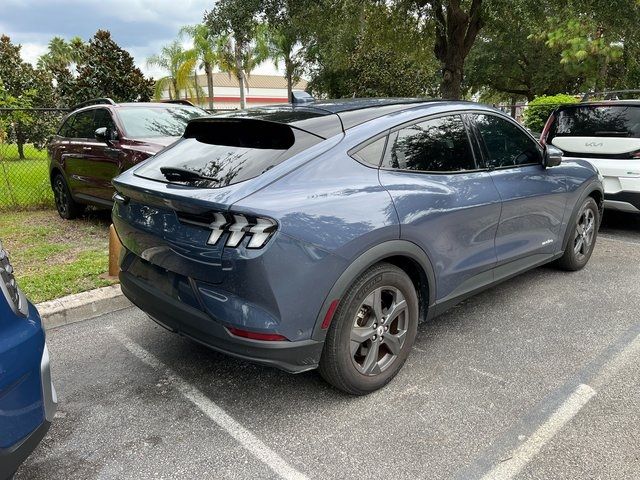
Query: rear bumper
623, 201
293, 357
12, 458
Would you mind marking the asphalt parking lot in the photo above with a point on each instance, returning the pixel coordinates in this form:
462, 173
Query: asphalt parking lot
536, 378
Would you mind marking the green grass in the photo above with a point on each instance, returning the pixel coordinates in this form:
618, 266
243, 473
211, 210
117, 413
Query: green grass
54, 257
24, 183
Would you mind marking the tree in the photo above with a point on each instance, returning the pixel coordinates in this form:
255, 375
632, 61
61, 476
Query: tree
366, 49
510, 62
455, 31
24, 87
179, 63
205, 52
285, 18
62, 55
106, 70
595, 44
242, 43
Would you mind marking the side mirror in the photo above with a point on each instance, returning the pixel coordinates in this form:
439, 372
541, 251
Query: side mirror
103, 134
552, 156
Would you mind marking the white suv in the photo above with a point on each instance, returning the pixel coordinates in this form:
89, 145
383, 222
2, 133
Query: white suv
608, 135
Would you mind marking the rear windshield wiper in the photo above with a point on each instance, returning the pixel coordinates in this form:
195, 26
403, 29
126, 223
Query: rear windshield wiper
183, 175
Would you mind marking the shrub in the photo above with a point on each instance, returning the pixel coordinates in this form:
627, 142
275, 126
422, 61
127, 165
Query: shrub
539, 109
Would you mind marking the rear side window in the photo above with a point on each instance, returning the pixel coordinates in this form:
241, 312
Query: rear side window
371, 153
83, 125
436, 145
66, 130
597, 121
217, 153
506, 145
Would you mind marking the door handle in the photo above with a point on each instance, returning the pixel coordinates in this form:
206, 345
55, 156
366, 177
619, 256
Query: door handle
86, 148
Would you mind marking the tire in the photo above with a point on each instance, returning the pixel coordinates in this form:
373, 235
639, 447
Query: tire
67, 207
582, 237
378, 350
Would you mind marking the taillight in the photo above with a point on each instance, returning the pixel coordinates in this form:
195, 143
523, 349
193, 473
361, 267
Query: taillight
237, 225
8, 284
547, 127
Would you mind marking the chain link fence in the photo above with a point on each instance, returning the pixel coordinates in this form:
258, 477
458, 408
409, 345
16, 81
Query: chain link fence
24, 163
24, 166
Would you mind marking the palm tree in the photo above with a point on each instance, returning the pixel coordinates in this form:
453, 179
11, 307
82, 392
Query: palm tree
205, 51
62, 55
180, 63
240, 56
287, 20
283, 41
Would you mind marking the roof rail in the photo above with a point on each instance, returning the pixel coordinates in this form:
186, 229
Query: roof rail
608, 94
94, 101
178, 102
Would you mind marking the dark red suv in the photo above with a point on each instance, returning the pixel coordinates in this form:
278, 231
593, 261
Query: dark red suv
102, 139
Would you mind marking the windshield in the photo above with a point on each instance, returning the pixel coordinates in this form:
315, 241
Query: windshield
597, 121
145, 122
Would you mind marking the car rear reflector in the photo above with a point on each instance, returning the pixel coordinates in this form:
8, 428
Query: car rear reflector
329, 316
267, 337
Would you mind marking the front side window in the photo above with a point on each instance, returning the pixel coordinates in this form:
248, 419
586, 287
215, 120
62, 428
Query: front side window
103, 119
506, 145
436, 145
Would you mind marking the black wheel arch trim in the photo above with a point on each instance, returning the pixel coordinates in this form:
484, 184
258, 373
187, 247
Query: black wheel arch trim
379, 253
593, 186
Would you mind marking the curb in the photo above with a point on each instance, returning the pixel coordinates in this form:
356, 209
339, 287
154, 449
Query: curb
82, 306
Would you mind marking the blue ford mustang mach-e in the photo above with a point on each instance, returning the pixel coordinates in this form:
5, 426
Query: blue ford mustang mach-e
320, 234
27, 396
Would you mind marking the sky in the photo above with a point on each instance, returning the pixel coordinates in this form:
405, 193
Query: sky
141, 27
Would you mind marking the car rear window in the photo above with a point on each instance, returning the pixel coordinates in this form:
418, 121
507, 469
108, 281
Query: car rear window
217, 152
597, 121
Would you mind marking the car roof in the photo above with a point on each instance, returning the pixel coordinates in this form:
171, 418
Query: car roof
602, 103
326, 118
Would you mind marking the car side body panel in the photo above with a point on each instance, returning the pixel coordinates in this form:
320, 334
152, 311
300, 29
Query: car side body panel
533, 206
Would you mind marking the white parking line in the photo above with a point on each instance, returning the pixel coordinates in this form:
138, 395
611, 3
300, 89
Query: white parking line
522, 455
611, 238
487, 374
248, 440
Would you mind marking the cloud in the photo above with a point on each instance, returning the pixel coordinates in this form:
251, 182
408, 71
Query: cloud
139, 26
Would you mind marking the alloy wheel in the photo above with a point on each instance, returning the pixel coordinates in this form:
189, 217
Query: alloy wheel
379, 330
585, 231
60, 196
